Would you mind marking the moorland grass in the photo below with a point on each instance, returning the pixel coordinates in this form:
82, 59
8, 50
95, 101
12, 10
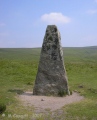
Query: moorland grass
18, 69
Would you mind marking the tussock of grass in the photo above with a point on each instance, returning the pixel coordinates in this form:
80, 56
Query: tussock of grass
2, 108
62, 93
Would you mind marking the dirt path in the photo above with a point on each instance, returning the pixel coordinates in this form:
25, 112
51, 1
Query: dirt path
48, 102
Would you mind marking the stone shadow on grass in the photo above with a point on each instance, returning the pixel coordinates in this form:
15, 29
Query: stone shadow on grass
18, 91
28, 93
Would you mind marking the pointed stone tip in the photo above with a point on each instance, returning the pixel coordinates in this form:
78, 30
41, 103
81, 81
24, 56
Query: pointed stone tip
51, 26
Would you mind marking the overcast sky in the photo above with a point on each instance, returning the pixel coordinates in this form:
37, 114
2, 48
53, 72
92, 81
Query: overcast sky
23, 22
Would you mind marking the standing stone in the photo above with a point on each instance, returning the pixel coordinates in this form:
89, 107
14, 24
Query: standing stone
51, 77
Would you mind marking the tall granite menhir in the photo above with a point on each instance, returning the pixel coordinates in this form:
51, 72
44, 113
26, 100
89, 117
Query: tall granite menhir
51, 77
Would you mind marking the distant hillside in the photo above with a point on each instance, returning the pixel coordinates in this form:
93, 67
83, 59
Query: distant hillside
71, 54
80, 53
92, 47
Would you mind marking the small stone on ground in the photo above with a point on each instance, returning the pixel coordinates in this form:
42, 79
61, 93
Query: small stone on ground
48, 102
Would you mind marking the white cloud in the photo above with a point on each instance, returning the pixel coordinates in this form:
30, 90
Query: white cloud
2, 24
92, 12
55, 18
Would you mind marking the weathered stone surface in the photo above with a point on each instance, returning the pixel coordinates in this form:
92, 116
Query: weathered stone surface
51, 77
